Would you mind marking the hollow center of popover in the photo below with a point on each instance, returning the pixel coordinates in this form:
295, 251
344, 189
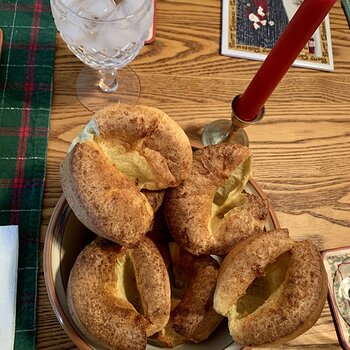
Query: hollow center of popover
179, 279
178, 283
126, 282
229, 195
128, 161
263, 286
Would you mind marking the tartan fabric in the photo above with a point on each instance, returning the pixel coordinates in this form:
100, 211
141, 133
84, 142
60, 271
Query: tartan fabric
26, 72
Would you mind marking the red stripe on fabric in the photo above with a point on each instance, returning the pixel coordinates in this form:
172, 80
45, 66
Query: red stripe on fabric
21, 183
38, 7
25, 46
25, 123
36, 132
27, 86
18, 183
8, 6
24, 132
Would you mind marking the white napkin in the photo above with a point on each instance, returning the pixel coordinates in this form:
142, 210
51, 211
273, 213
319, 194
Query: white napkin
8, 284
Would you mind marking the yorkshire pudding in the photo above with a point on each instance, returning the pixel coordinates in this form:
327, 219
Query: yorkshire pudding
120, 152
155, 198
193, 281
209, 213
117, 296
272, 289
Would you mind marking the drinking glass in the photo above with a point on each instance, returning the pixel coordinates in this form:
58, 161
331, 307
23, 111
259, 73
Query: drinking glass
106, 35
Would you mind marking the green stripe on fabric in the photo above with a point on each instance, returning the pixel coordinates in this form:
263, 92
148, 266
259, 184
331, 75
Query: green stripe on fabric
26, 75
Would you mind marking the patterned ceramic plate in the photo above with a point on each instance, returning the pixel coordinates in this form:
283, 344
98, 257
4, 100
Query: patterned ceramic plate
337, 264
66, 237
341, 285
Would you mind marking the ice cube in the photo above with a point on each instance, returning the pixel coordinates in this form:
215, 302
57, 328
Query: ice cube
113, 38
73, 5
117, 19
93, 9
134, 5
147, 21
73, 34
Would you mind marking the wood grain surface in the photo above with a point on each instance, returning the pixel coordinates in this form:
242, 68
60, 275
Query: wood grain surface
301, 148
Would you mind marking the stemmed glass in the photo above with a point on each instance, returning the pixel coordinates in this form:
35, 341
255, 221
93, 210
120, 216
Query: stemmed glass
106, 35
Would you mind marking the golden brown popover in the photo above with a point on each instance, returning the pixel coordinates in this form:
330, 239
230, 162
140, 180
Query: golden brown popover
272, 289
209, 213
193, 281
120, 152
118, 297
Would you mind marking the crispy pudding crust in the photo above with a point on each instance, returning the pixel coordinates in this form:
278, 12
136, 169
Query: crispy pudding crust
119, 296
193, 280
123, 155
271, 288
209, 213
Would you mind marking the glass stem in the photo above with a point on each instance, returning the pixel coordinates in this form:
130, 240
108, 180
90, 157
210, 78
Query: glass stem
108, 81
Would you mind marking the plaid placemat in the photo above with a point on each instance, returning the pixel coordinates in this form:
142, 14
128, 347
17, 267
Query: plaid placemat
26, 71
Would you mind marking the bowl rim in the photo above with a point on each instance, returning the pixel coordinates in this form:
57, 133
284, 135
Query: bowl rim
49, 278
64, 321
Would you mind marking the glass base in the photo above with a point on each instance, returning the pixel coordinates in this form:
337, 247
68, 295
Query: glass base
220, 131
91, 96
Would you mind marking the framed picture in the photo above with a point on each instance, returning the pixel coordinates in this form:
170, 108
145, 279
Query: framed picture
250, 28
152, 31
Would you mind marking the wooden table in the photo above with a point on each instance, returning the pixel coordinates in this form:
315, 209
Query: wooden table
301, 148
